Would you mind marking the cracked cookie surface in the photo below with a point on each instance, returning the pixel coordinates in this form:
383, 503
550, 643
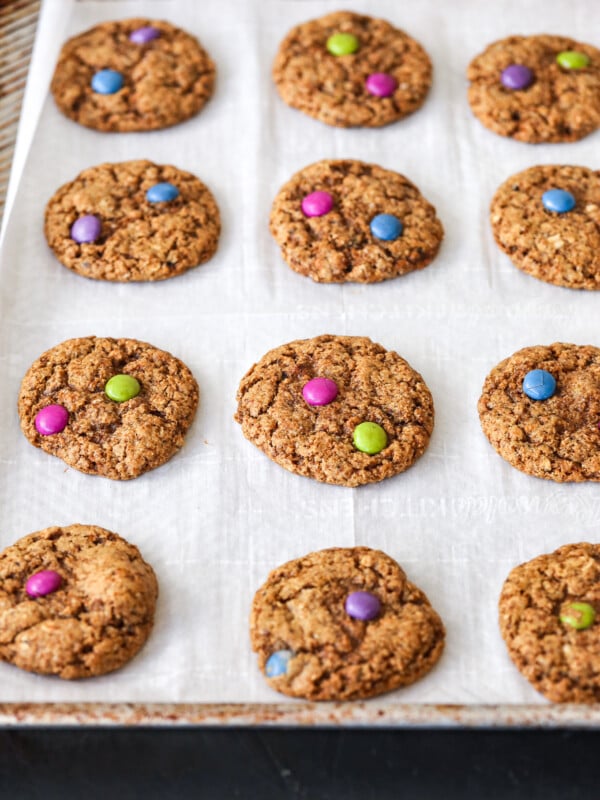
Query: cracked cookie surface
95, 622
166, 80
339, 246
139, 240
301, 608
117, 440
558, 438
374, 385
333, 88
559, 248
560, 105
561, 662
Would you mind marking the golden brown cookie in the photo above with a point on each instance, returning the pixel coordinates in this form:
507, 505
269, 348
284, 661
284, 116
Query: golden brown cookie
110, 407
349, 70
557, 436
547, 220
343, 624
342, 221
132, 75
339, 409
537, 88
550, 621
75, 601
132, 221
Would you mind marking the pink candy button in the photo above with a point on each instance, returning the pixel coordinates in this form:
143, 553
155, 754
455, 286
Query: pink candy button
44, 582
381, 84
320, 391
317, 204
51, 419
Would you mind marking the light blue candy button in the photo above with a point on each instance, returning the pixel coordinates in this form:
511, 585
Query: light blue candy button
277, 663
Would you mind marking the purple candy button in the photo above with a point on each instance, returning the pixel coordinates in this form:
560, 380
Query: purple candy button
381, 84
320, 391
362, 605
317, 204
86, 229
144, 35
51, 419
44, 582
516, 76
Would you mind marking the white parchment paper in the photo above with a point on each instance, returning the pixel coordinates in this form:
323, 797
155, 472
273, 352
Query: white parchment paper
220, 515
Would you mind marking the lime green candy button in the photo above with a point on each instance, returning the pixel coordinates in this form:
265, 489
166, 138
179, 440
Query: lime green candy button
342, 44
122, 387
369, 437
578, 615
572, 59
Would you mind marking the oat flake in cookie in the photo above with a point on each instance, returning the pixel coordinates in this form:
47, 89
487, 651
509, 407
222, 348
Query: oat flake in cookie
132, 221
547, 220
550, 621
537, 88
343, 624
540, 410
349, 70
75, 601
110, 407
339, 409
347, 221
132, 75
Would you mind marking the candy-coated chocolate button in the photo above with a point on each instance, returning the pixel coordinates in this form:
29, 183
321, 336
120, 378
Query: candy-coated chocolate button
369, 437
44, 582
342, 44
539, 384
86, 229
51, 419
144, 35
572, 59
121, 388
107, 81
162, 193
386, 227
320, 391
381, 84
362, 605
578, 615
558, 200
277, 663
516, 76
317, 204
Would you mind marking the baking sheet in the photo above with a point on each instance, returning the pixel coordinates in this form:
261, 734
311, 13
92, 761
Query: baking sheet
220, 515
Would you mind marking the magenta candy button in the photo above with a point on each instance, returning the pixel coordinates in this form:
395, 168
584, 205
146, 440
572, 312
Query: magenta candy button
320, 391
381, 84
51, 419
86, 229
144, 35
317, 204
44, 582
362, 605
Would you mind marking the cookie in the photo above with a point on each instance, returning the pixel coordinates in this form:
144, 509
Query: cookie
110, 407
342, 221
339, 409
343, 624
132, 75
132, 221
547, 220
351, 70
537, 88
540, 410
75, 601
550, 621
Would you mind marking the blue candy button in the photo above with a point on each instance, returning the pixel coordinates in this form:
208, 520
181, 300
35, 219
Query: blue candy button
386, 227
107, 81
558, 200
539, 384
277, 663
162, 193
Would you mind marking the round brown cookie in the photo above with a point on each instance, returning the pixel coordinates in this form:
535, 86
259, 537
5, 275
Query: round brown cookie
562, 248
560, 104
135, 238
316, 638
373, 385
557, 438
340, 245
560, 657
63, 394
339, 89
166, 79
94, 621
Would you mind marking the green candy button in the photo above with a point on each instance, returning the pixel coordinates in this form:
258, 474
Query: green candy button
572, 59
122, 387
342, 44
369, 437
578, 615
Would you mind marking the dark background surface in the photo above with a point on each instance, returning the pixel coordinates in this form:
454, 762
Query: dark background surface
264, 763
